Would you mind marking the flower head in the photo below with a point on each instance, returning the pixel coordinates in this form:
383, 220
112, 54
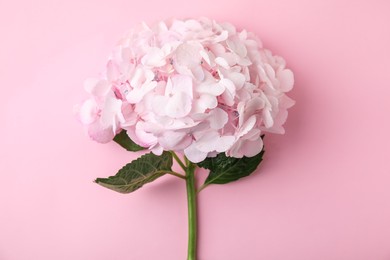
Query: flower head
192, 86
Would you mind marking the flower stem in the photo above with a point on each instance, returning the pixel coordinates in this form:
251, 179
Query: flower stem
192, 215
177, 159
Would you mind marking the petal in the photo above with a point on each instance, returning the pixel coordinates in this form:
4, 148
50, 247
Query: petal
187, 55
268, 120
193, 154
145, 139
224, 143
204, 102
112, 108
237, 47
222, 62
286, 102
237, 78
218, 118
179, 105
252, 148
158, 104
286, 79
88, 111
170, 138
230, 92
136, 95
208, 142
100, 134
214, 89
182, 83
154, 58
247, 126
173, 140
198, 73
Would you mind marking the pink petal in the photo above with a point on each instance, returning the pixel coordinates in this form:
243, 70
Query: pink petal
208, 142
154, 58
158, 104
193, 154
247, 126
88, 111
286, 78
100, 134
136, 95
112, 108
224, 143
218, 118
145, 139
230, 92
214, 89
179, 105
237, 47
252, 148
222, 62
204, 102
182, 83
173, 140
268, 120
237, 78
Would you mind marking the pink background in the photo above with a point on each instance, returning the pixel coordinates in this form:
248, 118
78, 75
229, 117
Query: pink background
323, 191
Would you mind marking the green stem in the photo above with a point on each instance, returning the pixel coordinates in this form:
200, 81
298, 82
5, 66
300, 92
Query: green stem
192, 216
174, 174
177, 159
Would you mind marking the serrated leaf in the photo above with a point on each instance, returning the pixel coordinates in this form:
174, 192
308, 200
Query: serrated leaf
225, 169
124, 140
134, 175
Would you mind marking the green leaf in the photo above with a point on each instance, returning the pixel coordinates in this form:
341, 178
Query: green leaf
134, 175
225, 169
124, 140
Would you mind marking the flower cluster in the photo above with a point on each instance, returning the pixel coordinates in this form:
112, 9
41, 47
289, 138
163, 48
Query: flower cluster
193, 86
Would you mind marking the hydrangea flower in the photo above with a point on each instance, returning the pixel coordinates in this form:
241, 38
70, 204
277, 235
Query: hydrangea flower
197, 87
